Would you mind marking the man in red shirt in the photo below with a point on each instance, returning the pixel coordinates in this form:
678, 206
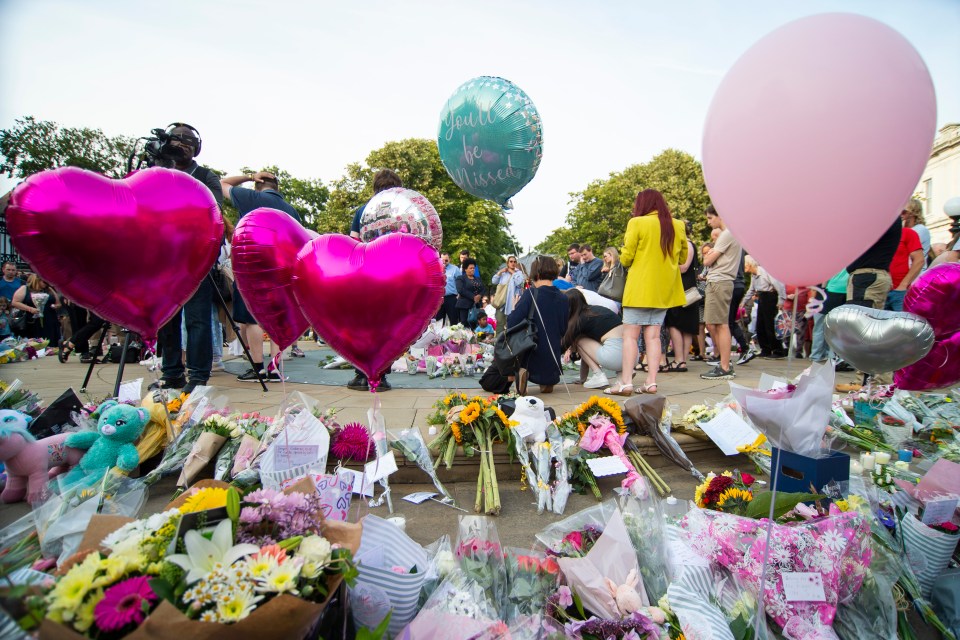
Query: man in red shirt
904, 268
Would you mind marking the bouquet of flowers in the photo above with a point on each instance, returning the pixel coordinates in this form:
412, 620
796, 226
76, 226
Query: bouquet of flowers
253, 426
15, 397
532, 577
729, 492
698, 413
410, 443
833, 551
644, 522
459, 607
456, 338
480, 557
199, 405
573, 425
276, 588
473, 424
215, 431
601, 433
928, 546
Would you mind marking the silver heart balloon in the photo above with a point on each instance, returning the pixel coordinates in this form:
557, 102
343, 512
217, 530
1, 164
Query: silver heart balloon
877, 341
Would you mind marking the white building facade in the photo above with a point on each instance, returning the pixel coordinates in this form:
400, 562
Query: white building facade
941, 181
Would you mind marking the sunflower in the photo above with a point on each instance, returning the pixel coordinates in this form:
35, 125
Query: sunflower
470, 413
734, 500
455, 430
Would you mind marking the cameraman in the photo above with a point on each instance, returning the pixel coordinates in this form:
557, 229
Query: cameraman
180, 149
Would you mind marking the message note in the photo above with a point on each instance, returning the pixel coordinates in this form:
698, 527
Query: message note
130, 391
606, 466
380, 468
418, 497
294, 455
939, 511
729, 431
803, 587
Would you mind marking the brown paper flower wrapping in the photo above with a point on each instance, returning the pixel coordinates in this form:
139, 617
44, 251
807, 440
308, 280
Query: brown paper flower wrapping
203, 451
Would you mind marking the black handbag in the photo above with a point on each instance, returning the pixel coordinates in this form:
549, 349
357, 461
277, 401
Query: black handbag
18, 321
514, 344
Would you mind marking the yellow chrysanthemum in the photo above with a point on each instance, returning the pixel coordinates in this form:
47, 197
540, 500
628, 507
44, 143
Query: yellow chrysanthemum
208, 498
470, 413
455, 430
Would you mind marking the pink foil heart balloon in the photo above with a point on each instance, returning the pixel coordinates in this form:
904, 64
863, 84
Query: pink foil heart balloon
133, 250
265, 247
369, 301
935, 295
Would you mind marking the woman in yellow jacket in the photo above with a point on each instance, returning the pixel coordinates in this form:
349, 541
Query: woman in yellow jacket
654, 246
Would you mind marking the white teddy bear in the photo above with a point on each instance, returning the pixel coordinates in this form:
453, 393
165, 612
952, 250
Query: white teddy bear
531, 415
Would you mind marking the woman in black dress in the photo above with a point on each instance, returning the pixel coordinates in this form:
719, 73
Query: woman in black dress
684, 322
40, 302
469, 291
550, 317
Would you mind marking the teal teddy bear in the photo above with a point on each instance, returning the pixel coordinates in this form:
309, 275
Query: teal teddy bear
111, 445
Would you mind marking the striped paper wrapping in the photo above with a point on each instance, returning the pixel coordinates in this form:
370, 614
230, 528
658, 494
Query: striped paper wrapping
379, 589
928, 550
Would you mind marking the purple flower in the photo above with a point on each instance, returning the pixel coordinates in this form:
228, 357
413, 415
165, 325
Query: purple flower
565, 596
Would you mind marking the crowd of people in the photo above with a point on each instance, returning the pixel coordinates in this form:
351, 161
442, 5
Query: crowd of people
656, 303
646, 308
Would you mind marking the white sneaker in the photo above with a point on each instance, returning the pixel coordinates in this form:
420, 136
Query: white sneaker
217, 366
597, 380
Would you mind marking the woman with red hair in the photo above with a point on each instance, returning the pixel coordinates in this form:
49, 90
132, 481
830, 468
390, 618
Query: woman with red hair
655, 245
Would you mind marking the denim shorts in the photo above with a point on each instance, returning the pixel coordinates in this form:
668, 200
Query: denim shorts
610, 354
643, 316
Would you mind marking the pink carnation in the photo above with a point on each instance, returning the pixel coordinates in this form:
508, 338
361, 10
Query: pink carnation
352, 442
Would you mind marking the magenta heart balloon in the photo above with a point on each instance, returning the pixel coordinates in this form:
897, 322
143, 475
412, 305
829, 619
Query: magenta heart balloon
369, 301
265, 247
939, 368
935, 295
133, 250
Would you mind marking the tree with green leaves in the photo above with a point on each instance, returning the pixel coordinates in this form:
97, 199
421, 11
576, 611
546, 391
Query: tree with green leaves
468, 223
32, 145
600, 212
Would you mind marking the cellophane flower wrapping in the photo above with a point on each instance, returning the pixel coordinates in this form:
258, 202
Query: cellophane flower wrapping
442, 563
201, 404
461, 608
410, 443
62, 519
392, 570
644, 521
532, 577
837, 547
611, 558
575, 535
794, 417
480, 556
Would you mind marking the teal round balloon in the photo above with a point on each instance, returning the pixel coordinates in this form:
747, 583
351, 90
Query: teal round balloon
490, 138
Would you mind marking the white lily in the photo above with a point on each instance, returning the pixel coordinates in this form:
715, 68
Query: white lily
203, 555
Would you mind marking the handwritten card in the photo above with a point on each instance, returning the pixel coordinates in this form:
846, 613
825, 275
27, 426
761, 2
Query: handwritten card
803, 587
729, 431
293, 455
939, 511
606, 466
380, 468
130, 391
524, 429
419, 497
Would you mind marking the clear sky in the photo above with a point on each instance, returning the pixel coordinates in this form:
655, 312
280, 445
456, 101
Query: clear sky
313, 86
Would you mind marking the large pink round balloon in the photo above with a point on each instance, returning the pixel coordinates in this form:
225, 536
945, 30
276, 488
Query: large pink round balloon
133, 250
369, 301
265, 247
815, 139
935, 295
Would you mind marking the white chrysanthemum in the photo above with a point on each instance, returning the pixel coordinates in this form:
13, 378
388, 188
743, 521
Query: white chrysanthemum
237, 604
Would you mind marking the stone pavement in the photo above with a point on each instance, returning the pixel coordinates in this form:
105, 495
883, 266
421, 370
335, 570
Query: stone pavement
405, 408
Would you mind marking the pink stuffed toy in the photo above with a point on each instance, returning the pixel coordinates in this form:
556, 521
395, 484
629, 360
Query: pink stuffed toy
626, 596
30, 462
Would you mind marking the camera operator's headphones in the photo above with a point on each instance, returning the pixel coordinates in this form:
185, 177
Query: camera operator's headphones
174, 125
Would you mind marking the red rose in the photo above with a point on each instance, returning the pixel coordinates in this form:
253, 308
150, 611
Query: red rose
747, 479
949, 526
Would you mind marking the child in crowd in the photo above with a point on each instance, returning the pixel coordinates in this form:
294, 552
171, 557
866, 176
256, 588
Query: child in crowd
5, 331
484, 331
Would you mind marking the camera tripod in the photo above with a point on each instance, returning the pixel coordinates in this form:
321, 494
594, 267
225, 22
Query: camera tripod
218, 299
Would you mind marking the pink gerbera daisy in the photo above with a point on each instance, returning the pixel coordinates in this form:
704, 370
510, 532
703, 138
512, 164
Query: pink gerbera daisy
352, 442
123, 604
